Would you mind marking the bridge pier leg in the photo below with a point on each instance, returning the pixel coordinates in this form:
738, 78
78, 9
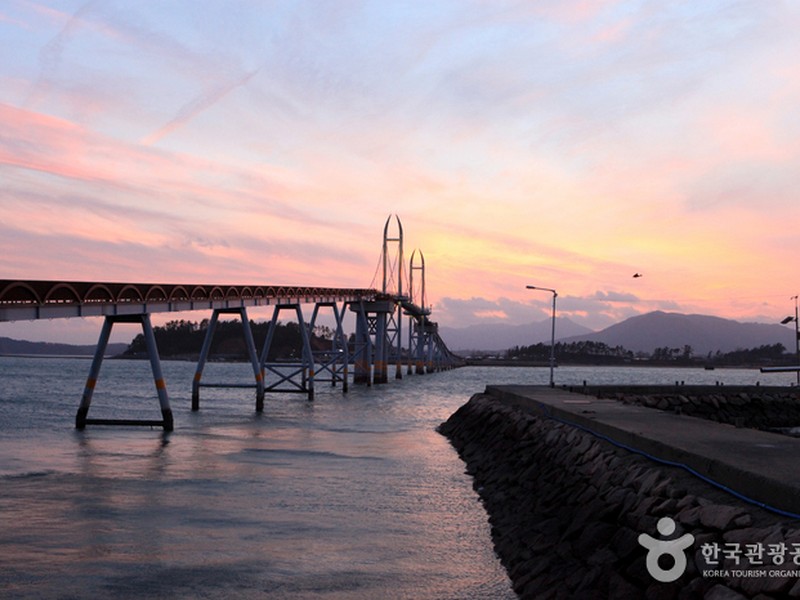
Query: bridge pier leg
81, 418
201, 361
254, 362
155, 365
398, 348
362, 353
268, 344
308, 355
380, 374
429, 367
418, 348
420, 359
412, 349
94, 373
343, 344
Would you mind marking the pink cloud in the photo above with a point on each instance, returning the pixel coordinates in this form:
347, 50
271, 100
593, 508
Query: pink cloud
65, 180
37, 142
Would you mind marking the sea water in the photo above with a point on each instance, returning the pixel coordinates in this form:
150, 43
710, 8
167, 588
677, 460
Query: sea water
350, 496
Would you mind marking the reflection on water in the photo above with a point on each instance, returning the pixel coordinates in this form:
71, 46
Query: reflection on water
352, 496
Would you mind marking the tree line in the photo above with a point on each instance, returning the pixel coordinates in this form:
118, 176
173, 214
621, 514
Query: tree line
601, 353
185, 339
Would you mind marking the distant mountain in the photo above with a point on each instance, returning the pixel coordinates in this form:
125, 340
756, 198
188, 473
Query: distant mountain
704, 334
16, 347
501, 336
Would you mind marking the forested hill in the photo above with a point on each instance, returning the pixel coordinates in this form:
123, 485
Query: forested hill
184, 339
598, 353
12, 347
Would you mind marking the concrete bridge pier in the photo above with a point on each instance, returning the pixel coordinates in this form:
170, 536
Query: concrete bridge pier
362, 351
394, 341
412, 345
430, 363
380, 368
372, 329
416, 347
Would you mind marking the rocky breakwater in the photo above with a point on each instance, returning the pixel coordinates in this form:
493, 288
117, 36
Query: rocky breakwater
567, 510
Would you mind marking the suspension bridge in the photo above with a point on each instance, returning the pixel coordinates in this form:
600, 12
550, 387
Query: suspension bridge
371, 351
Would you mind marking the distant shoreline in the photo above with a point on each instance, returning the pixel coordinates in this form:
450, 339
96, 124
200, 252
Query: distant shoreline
35, 355
472, 362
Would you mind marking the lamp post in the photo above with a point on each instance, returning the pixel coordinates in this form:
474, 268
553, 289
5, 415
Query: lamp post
553, 331
789, 319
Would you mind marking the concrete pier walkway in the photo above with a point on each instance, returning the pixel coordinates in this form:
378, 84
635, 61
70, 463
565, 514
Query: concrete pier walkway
761, 466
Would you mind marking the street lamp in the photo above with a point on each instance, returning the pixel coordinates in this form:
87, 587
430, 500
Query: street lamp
553, 331
787, 320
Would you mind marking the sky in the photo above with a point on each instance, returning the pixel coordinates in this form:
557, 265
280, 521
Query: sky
566, 144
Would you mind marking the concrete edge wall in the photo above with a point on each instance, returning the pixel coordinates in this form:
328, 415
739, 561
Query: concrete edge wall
730, 471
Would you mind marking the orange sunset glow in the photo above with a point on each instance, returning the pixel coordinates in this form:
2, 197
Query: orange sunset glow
565, 144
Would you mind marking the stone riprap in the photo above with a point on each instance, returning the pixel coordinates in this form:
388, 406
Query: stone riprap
567, 510
756, 407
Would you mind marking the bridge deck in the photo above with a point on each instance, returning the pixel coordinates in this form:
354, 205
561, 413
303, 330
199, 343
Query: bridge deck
37, 299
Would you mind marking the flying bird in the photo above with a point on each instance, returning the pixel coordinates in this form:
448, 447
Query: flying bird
637, 275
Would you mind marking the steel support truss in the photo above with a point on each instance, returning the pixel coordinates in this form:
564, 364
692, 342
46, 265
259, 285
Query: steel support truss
281, 376
289, 376
332, 364
81, 418
251, 353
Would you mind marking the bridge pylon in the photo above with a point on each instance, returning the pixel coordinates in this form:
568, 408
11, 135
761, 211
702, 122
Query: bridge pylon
417, 315
378, 336
390, 323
